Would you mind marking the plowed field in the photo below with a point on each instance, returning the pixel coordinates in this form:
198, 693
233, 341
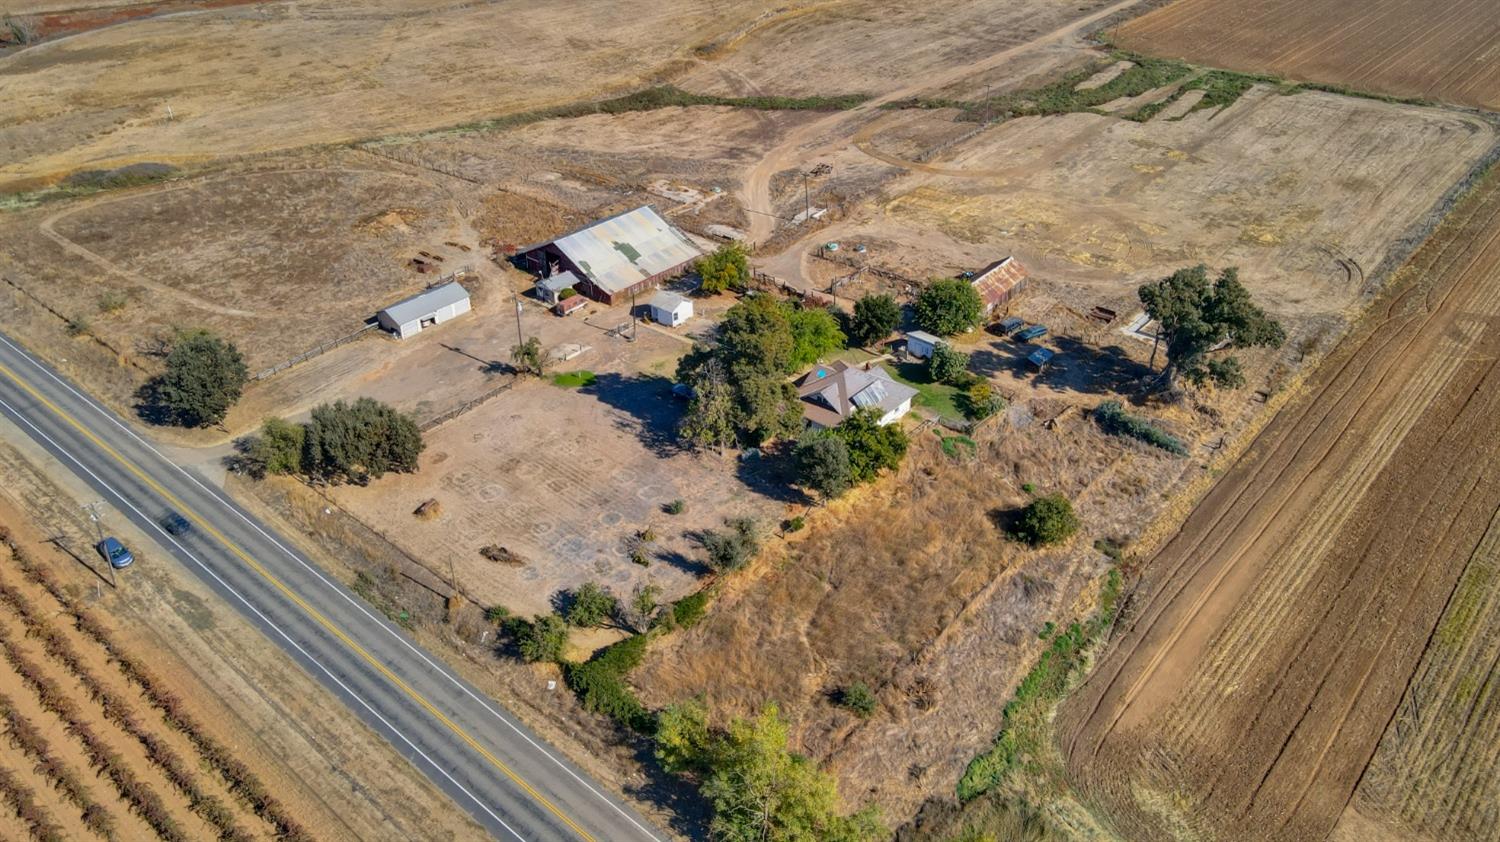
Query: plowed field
1447, 51
1339, 564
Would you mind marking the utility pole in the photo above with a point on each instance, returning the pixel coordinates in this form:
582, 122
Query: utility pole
806, 201
93, 511
520, 339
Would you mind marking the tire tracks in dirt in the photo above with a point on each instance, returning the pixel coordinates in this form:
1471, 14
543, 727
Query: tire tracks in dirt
1280, 627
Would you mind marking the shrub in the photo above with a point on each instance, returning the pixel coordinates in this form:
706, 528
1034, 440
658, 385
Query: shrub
947, 364
732, 548
875, 316
793, 524
112, 302
205, 375
1113, 419
497, 614
982, 401
278, 449
948, 306
676, 507
541, 639
590, 605
1046, 520
686, 612
641, 609
77, 326
600, 683
859, 699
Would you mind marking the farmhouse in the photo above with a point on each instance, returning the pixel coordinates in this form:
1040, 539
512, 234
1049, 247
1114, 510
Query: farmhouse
614, 258
670, 309
831, 394
919, 343
997, 282
434, 306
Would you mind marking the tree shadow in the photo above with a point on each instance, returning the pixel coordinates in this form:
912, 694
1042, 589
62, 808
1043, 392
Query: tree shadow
687, 811
1077, 367
684, 562
1006, 520
771, 473
647, 400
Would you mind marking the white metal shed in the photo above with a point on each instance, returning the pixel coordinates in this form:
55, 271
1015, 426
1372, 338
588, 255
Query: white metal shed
434, 306
919, 343
670, 309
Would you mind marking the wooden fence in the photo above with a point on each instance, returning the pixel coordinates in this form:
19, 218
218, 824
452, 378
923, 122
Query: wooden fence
313, 352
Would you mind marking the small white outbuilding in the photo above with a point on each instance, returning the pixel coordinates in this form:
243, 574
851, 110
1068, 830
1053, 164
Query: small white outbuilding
434, 306
919, 343
670, 309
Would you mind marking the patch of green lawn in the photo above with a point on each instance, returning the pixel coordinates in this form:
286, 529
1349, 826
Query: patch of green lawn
573, 379
938, 397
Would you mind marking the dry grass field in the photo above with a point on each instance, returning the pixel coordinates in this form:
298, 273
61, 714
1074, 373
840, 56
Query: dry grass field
251, 79
1306, 193
1326, 603
1446, 51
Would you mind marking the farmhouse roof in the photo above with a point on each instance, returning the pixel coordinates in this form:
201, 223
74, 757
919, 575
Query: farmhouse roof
618, 252
426, 303
832, 393
996, 281
665, 300
559, 282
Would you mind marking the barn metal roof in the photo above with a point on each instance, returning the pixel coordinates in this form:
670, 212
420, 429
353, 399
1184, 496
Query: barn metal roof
997, 280
426, 303
625, 249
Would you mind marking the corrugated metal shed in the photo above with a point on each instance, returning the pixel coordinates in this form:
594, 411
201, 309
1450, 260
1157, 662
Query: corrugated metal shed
426, 302
997, 282
623, 250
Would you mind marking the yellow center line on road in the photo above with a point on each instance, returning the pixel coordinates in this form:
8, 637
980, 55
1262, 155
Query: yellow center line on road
299, 601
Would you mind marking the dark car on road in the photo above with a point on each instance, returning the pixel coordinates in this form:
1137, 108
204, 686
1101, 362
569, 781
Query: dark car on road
115, 553
175, 524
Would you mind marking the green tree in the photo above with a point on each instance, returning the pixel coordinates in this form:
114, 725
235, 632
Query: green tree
872, 447
875, 316
1199, 318
947, 364
712, 415
727, 268
589, 605
1046, 520
528, 356
278, 449
358, 441
823, 464
541, 639
205, 375
756, 337
768, 408
642, 607
683, 741
762, 791
948, 306
815, 333
732, 548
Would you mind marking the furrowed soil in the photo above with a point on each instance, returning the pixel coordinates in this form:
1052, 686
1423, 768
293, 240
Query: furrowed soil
1409, 48
1332, 588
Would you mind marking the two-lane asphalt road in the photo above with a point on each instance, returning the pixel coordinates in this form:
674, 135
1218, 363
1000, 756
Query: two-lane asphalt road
506, 777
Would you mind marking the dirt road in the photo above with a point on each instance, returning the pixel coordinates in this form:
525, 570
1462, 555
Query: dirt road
1273, 637
755, 194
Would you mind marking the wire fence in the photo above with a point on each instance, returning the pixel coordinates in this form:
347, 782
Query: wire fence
439, 420
313, 352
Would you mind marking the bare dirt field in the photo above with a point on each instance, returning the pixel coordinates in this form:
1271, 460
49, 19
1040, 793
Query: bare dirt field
266, 77
1409, 48
1325, 604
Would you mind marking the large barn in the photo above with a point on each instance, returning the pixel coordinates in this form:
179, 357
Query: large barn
626, 254
997, 282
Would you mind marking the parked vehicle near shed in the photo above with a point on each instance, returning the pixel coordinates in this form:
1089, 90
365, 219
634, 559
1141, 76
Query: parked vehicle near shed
115, 553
